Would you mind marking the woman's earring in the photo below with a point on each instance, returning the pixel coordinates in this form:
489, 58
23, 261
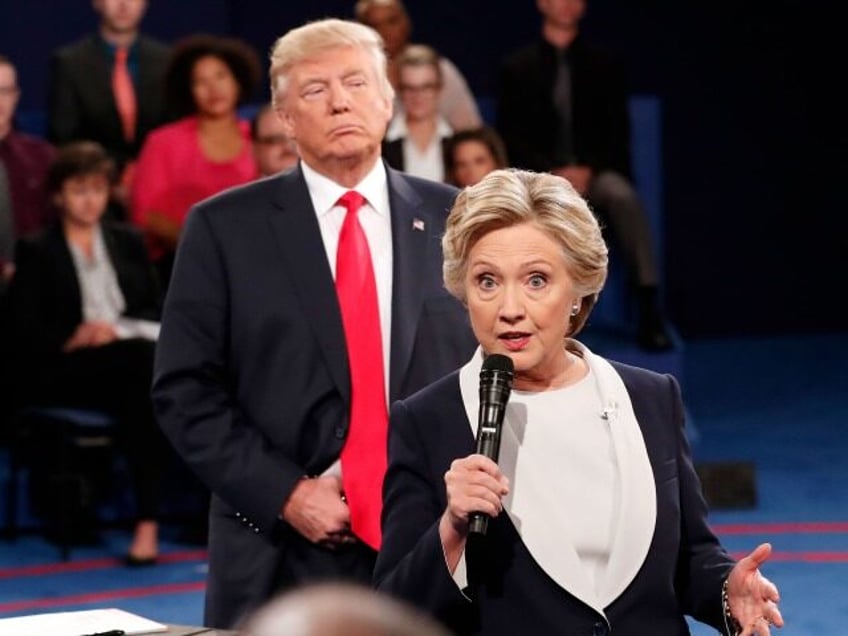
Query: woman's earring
575, 309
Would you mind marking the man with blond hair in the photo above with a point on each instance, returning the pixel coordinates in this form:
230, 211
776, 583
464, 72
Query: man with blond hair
299, 306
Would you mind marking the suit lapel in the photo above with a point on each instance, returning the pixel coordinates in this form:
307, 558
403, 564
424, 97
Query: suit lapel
295, 226
636, 518
68, 285
409, 243
98, 79
149, 79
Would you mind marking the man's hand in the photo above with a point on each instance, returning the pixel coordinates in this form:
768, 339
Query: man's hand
316, 508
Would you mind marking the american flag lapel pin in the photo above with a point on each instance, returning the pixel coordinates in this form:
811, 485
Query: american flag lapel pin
418, 224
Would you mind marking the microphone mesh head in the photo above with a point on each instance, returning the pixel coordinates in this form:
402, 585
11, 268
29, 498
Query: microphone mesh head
497, 362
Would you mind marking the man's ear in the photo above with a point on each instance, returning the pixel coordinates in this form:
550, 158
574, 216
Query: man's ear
288, 123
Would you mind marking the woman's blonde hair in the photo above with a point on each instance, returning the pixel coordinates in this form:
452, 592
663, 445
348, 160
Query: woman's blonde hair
504, 198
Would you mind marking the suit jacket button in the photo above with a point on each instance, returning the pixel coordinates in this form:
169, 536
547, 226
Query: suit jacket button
600, 629
340, 432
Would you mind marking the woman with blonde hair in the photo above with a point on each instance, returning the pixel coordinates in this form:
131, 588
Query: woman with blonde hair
596, 520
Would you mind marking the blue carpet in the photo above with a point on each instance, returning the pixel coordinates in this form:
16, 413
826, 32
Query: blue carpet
779, 403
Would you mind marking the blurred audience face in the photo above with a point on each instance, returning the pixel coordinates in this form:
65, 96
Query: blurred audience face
389, 19
339, 609
273, 150
120, 16
335, 108
83, 199
472, 160
9, 94
519, 295
215, 88
563, 14
419, 92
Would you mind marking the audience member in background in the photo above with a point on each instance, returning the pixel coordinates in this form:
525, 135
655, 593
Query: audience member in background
299, 306
107, 87
84, 305
205, 151
472, 154
272, 148
24, 160
391, 20
596, 520
563, 109
339, 609
417, 135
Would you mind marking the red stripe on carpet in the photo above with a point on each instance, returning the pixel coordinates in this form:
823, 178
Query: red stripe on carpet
95, 564
802, 557
781, 528
98, 597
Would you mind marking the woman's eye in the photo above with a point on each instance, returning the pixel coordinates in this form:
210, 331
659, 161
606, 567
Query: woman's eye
486, 282
537, 281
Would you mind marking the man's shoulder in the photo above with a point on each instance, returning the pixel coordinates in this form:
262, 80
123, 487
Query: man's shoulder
597, 58
151, 47
522, 55
427, 189
77, 49
242, 201
31, 146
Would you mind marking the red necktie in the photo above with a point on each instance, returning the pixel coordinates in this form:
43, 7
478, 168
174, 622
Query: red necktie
364, 454
124, 91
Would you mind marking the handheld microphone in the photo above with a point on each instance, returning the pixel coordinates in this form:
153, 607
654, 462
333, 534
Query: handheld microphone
495, 386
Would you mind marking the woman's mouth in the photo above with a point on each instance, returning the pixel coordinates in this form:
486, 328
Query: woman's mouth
514, 340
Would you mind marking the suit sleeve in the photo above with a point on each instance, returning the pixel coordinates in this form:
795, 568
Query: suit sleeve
154, 173
194, 387
703, 564
411, 564
144, 294
37, 332
63, 118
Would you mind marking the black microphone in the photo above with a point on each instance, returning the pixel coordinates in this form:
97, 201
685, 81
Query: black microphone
495, 385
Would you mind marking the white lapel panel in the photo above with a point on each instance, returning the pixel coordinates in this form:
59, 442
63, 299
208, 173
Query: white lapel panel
539, 516
636, 519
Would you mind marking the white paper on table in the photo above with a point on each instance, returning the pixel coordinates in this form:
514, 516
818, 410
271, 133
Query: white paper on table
79, 623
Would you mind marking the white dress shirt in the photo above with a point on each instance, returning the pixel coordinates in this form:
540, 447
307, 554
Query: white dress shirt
376, 222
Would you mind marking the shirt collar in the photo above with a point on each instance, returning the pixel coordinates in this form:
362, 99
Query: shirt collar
98, 250
325, 192
111, 48
398, 130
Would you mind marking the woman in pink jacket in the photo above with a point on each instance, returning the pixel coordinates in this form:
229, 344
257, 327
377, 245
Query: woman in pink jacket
204, 152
